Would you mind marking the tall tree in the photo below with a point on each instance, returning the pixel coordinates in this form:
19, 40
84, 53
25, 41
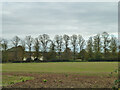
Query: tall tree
106, 42
66, 40
4, 44
118, 44
118, 47
0, 50
15, 42
23, 48
113, 45
37, 47
90, 48
81, 42
97, 45
0, 44
4, 48
29, 42
44, 39
52, 51
52, 47
59, 43
74, 45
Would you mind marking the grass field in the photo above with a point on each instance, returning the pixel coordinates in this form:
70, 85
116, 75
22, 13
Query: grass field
57, 71
62, 67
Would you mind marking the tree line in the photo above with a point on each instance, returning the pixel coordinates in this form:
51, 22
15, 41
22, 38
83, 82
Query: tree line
99, 47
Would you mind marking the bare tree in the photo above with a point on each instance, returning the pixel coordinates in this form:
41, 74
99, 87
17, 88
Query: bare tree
118, 48
52, 51
15, 42
0, 50
66, 40
106, 42
52, 46
90, 47
113, 45
23, 48
81, 42
74, 44
37, 47
4, 44
0, 44
44, 39
97, 43
29, 42
118, 45
59, 42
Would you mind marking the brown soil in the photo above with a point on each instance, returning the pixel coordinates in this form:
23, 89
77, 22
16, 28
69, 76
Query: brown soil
55, 80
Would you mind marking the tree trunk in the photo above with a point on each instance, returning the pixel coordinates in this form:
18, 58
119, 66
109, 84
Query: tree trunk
74, 53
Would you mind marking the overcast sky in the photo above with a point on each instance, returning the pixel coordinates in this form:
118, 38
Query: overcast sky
87, 19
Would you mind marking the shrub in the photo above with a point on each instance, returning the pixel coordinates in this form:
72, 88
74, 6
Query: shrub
44, 80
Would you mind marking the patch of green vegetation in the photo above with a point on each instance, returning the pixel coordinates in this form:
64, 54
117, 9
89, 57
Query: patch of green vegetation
44, 80
60, 80
116, 82
66, 75
83, 68
10, 79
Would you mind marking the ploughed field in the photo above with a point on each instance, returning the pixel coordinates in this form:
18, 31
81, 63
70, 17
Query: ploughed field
59, 75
